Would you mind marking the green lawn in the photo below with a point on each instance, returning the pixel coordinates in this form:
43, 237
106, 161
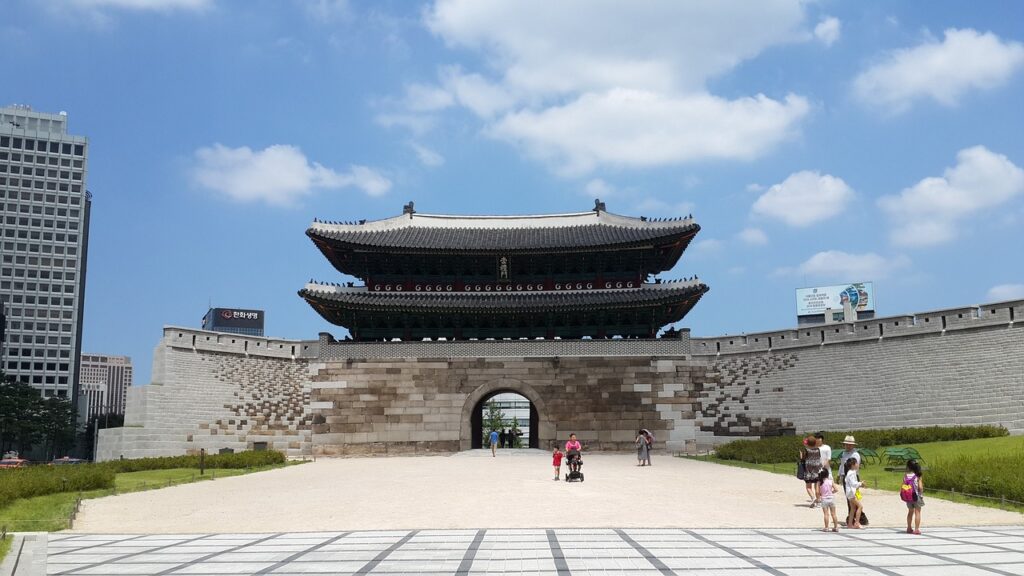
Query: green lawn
5, 546
50, 513
875, 475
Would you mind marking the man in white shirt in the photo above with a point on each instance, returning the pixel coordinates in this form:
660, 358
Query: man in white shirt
849, 451
826, 453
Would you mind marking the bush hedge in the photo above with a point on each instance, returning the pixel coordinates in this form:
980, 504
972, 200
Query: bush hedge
780, 449
18, 483
248, 459
993, 475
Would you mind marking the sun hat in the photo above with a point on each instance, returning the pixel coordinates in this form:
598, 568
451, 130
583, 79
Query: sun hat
849, 440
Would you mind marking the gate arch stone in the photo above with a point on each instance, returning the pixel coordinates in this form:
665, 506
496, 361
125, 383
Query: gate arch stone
545, 426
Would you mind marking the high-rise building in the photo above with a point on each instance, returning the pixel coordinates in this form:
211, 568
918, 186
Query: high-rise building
234, 320
44, 239
104, 383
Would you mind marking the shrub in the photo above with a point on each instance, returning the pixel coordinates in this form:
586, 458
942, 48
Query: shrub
994, 475
18, 483
779, 449
247, 459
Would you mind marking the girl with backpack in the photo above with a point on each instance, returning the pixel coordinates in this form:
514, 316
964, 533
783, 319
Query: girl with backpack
912, 493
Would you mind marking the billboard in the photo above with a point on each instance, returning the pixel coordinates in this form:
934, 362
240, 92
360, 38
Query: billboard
233, 318
861, 296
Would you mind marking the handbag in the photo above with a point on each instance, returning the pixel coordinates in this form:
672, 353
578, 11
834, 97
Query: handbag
801, 469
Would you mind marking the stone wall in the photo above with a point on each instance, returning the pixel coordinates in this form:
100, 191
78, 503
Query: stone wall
948, 367
425, 404
210, 390
214, 391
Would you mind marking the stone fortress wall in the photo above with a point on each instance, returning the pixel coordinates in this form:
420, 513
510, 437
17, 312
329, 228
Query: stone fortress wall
215, 390
946, 367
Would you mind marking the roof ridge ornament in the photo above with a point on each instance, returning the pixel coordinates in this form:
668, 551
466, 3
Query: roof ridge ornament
409, 209
599, 206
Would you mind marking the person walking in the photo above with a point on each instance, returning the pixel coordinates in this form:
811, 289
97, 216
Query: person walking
853, 495
501, 438
642, 449
494, 443
813, 467
912, 493
826, 452
556, 461
828, 504
849, 453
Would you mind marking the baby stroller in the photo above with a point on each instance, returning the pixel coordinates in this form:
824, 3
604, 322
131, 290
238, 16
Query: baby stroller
574, 462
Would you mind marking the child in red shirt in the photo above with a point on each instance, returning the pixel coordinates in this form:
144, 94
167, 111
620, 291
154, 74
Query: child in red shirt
556, 461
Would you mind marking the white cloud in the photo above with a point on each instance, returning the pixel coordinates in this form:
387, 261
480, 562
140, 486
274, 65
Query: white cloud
928, 212
753, 236
1004, 292
426, 156
416, 123
279, 175
422, 98
943, 71
327, 11
566, 47
482, 97
598, 188
574, 86
155, 5
834, 265
638, 129
754, 187
828, 30
705, 247
804, 198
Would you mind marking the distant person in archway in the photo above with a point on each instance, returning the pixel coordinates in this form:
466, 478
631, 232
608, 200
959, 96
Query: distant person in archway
494, 443
501, 438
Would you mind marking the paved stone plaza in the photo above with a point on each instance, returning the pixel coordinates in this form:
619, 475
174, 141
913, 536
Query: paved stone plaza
470, 489
711, 552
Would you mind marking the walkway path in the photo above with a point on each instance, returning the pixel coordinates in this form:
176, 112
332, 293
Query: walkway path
561, 552
472, 490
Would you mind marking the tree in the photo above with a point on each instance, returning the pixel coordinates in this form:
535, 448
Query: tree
515, 432
27, 420
494, 419
98, 422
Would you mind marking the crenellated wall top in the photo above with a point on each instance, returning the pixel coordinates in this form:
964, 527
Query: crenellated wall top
227, 343
993, 315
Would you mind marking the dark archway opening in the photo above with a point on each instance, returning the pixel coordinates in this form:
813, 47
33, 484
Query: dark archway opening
513, 405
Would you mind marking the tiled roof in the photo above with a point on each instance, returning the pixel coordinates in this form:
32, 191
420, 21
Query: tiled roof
503, 233
361, 297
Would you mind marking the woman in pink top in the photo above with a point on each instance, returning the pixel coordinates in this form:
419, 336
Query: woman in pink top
573, 444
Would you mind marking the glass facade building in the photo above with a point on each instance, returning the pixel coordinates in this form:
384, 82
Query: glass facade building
44, 239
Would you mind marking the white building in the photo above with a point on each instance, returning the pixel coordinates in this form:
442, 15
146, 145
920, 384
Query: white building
104, 383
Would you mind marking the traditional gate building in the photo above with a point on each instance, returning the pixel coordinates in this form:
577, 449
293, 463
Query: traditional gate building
581, 275
566, 311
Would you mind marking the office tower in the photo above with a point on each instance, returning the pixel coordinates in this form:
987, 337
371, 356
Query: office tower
104, 383
234, 320
44, 241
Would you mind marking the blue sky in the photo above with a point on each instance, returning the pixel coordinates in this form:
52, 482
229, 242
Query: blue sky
815, 142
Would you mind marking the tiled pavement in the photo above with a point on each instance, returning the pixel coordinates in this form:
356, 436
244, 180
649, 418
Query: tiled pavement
634, 552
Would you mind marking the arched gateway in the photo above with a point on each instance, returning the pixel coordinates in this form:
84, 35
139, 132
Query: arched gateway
453, 310
471, 431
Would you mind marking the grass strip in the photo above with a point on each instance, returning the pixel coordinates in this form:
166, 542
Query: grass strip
970, 455
50, 513
5, 546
